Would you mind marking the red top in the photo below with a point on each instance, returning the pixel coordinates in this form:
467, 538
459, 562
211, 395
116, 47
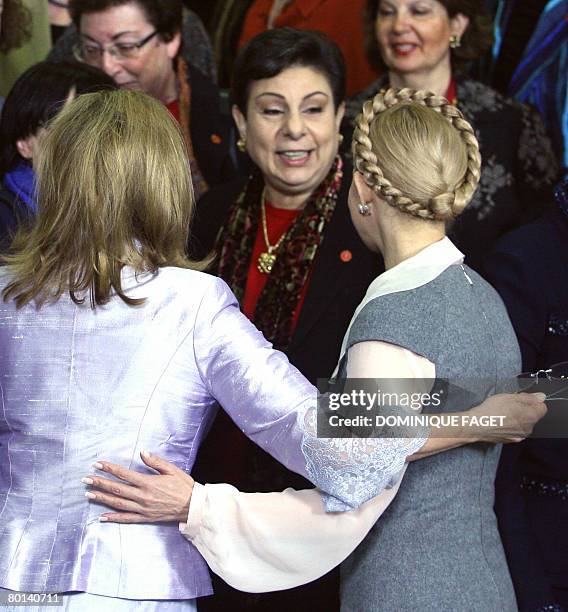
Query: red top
173, 107
341, 20
452, 93
278, 222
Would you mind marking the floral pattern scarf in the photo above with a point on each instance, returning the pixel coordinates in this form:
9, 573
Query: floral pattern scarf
235, 242
200, 185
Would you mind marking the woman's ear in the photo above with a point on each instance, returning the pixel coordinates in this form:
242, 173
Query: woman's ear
364, 192
240, 120
339, 115
26, 147
458, 24
173, 45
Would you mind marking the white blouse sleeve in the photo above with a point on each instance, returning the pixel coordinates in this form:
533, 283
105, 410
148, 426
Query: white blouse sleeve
375, 359
261, 542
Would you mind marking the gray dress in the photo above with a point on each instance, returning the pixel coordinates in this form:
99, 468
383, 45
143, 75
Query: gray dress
437, 546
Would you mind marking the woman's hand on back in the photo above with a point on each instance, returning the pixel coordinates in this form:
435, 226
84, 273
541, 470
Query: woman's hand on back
142, 498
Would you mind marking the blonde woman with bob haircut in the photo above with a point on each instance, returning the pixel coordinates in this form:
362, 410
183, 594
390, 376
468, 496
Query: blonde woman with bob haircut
112, 342
114, 193
427, 316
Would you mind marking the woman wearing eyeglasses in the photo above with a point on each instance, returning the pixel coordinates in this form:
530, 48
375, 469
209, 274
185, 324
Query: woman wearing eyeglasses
137, 43
529, 268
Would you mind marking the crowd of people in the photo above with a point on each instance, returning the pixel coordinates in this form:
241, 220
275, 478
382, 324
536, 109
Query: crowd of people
356, 207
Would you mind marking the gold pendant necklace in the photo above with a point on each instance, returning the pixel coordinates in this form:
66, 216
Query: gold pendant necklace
266, 259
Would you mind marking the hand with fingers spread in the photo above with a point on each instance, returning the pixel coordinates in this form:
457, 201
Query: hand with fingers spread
142, 498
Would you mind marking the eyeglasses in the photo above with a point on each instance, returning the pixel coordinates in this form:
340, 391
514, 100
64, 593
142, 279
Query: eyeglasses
552, 381
91, 53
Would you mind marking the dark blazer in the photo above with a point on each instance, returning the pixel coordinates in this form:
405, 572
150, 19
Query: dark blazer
212, 133
336, 286
341, 273
529, 268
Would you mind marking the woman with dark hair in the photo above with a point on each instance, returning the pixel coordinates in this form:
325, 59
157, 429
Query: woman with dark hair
139, 44
288, 92
36, 97
285, 242
427, 44
196, 47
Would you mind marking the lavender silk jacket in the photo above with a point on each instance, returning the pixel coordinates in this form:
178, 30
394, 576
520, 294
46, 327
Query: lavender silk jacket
78, 385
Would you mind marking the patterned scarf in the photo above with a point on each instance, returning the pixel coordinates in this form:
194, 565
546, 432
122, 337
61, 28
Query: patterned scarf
200, 185
235, 242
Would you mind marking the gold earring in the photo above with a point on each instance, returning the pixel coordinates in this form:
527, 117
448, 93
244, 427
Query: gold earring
242, 145
455, 41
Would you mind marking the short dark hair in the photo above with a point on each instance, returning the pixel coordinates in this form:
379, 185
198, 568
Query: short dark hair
165, 15
15, 25
477, 39
269, 53
37, 96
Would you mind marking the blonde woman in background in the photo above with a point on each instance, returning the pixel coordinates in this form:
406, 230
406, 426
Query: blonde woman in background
436, 546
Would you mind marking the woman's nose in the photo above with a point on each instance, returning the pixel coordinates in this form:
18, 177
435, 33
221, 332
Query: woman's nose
109, 64
400, 22
294, 126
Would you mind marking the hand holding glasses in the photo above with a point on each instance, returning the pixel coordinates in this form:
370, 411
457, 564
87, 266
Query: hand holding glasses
553, 383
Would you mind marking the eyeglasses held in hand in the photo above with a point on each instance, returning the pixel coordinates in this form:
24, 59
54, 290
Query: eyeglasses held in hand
554, 378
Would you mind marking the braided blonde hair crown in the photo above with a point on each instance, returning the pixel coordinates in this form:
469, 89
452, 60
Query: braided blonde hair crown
441, 206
